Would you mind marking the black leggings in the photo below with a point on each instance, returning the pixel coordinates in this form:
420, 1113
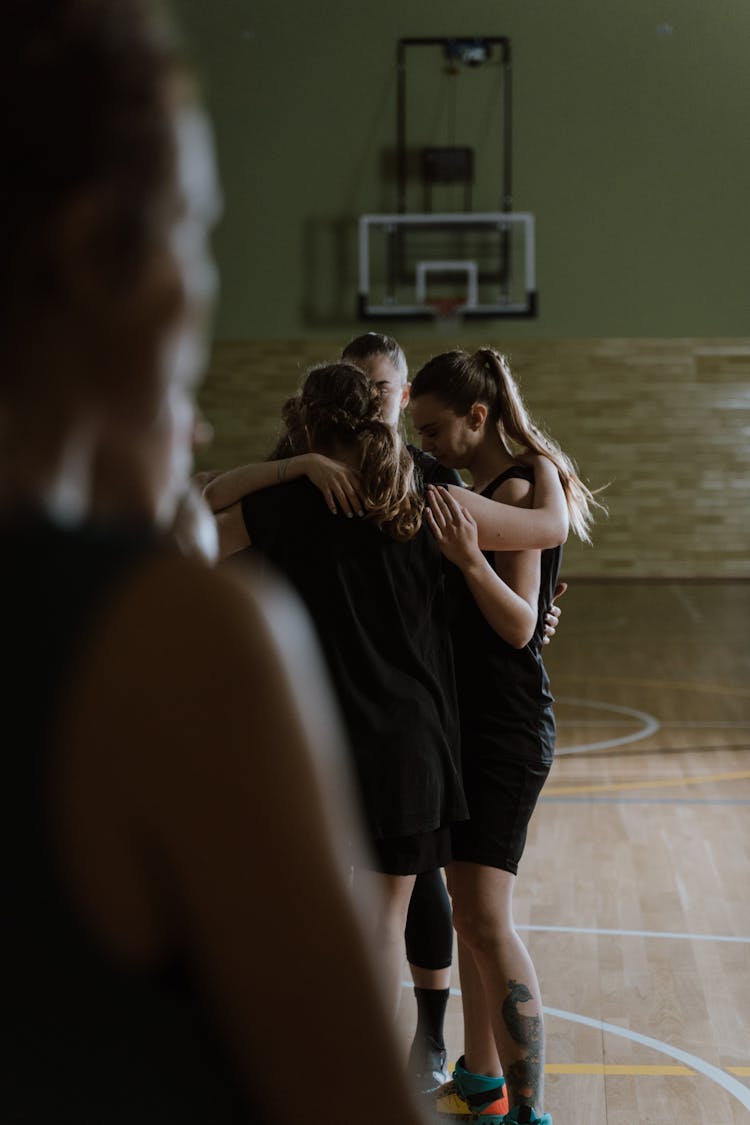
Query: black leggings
429, 923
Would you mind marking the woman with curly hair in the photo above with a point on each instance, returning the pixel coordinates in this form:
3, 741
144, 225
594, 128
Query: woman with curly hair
374, 587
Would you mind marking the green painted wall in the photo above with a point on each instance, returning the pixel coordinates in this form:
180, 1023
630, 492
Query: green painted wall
631, 148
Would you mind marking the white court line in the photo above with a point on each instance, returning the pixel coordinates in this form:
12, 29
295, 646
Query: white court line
686, 603
708, 1070
671, 724
633, 933
709, 723
594, 722
650, 726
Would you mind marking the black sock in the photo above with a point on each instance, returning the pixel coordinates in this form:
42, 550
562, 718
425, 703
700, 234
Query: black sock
431, 1005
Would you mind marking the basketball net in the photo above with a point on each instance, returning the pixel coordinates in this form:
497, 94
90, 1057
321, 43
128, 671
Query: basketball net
447, 315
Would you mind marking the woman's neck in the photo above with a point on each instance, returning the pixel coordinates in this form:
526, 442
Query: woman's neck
489, 459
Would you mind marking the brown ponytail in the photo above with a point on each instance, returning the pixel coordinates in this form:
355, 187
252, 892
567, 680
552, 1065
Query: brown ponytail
292, 440
387, 471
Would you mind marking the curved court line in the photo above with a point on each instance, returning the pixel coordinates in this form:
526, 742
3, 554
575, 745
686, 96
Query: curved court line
736, 1089
650, 726
634, 933
699, 1066
662, 783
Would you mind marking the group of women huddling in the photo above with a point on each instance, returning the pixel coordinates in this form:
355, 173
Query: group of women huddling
187, 763
430, 600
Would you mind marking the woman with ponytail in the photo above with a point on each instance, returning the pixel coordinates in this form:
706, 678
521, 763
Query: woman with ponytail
374, 587
470, 415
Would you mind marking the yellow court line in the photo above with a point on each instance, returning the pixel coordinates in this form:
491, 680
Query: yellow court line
632, 1070
680, 685
555, 790
615, 1068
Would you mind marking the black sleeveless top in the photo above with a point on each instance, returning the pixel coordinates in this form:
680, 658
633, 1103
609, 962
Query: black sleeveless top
84, 1040
503, 692
380, 611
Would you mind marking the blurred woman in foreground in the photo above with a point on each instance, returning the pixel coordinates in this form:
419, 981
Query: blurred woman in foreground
167, 834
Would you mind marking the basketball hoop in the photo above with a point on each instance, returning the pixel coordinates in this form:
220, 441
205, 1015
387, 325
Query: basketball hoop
447, 309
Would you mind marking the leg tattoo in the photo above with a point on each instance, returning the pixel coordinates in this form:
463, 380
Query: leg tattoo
524, 1075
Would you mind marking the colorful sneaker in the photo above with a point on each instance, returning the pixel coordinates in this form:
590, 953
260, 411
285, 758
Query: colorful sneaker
471, 1097
526, 1115
428, 1069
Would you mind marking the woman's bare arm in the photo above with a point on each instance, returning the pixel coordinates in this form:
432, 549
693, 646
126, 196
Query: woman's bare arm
503, 527
233, 536
338, 483
507, 603
227, 488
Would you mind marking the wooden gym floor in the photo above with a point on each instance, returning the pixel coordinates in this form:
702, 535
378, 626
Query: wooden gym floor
634, 891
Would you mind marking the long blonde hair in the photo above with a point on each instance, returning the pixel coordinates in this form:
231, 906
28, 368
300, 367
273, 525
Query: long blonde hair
338, 404
459, 379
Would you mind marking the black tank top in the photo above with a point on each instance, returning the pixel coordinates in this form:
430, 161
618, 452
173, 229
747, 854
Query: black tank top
380, 611
503, 692
84, 1041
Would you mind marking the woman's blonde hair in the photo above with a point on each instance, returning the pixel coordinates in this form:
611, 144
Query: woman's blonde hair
459, 379
338, 405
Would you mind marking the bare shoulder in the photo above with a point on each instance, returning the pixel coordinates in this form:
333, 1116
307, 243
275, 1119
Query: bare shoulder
181, 715
185, 655
516, 491
193, 613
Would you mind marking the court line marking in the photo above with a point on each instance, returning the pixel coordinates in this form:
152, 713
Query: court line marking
671, 724
709, 724
714, 1073
723, 1078
650, 726
617, 1068
633, 933
661, 783
692, 611
680, 685
591, 800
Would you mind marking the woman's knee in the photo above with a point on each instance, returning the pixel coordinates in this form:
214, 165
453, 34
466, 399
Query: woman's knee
482, 922
481, 930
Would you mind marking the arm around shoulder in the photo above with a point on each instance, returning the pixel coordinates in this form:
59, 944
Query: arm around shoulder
232, 531
506, 527
549, 498
225, 489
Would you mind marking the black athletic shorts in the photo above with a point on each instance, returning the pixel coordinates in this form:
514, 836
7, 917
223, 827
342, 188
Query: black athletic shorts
501, 794
411, 855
